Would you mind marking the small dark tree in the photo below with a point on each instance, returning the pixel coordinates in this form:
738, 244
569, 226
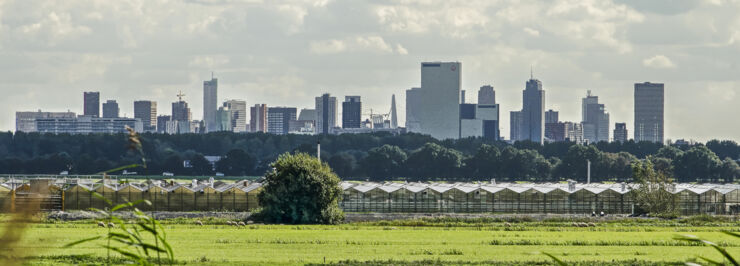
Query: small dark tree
236, 163
201, 166
652, 192
300, 190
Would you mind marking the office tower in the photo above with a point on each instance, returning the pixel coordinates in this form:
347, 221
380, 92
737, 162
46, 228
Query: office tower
552, 116
92, 104
515, 125
434, 109
307, 114
532, 125
394, 115
351, 112
162, 122
258, 118
210, 103
595, 119
147, 112
413, 109
110, 109
486, 95
278, 119
26, 121
649, 124
181, 116
223, 119
326, 113
305, 122
238, 109
620, 132
462, 96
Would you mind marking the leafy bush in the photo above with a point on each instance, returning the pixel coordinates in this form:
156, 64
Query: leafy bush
300, 190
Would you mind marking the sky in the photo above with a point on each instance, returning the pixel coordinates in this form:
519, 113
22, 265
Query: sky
285, 53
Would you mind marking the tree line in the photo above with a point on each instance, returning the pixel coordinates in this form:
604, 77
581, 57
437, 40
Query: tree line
378, 156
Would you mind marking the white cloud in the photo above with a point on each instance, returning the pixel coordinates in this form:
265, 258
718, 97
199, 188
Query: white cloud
401, 50
532, 31
328, 47
658, 61
371, 44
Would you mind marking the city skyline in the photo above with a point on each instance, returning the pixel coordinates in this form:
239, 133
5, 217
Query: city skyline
295, 55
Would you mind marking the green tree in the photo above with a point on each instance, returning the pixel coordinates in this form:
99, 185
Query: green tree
200, 165
697, 163
343, 163
486, 162
433, 160
384, 162
669, 152
729, 171
300, 190
237, 162
652, 191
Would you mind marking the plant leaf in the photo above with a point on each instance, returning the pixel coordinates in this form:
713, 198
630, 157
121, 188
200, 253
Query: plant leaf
81, 241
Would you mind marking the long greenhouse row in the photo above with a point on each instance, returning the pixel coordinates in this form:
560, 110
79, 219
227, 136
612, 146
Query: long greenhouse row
480, 197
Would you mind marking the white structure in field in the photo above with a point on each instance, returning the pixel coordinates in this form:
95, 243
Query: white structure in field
434, 108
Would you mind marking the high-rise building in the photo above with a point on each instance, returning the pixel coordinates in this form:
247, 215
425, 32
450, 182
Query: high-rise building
223, 119
552, 116
238, 109
91, 104
162, 122
413, 109
305, 123
532, 125
394, 115
181, 116
435, 107
210, 103
351, 112
486, 95
146, 111
110, 109
649, 123
326, 114
26, 121
258, 118
278, 119
87, 125
515, 125
620, 132
595, 119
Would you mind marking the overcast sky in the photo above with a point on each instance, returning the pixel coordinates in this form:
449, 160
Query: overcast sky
288, 52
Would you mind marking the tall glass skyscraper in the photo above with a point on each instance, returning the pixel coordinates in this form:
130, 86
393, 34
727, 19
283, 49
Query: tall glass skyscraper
649, 123
210, 103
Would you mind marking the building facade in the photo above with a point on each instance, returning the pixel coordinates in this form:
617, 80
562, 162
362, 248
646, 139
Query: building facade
91, 105
162, 122
238, 109
351, 112
326, 114
258, 118
180, 121
530, 121
26, 121
223, 119
279, 118
649, 112
210, 104
620, 132
435, 107
87, 125
486, 95
110, 109
595, 119
146, 111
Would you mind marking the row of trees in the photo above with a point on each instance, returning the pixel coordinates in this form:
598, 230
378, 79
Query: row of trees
368, 156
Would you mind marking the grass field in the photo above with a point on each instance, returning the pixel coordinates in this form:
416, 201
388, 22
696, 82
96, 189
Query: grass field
397, 243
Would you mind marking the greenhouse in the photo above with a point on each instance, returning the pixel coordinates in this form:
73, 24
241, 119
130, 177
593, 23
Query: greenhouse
389, 197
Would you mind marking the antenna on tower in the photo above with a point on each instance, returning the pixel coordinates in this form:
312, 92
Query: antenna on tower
531, 72
211, 75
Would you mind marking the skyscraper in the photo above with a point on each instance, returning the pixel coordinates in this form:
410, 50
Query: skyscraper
435, 107
92, 104
351, 112
649, 124
223, 119
554, 131
278, 119
595, 119
110, 109
620, 132
258, 118
181, 116
486, 95
239, 114
394, 116
532, 114
515, 125
326, 113
162, 122
210, 103
552, 116
147, 112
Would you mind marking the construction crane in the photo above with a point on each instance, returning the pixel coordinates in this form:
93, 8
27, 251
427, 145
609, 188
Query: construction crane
180, 95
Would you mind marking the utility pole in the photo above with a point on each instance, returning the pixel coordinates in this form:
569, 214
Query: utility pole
588, 172
318, 150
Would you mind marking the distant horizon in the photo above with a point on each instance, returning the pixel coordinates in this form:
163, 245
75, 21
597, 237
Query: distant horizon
285, 54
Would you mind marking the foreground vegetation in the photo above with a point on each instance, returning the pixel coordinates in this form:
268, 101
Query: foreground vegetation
414, 242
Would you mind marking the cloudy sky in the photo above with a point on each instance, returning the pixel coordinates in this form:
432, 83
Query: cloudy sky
287, 52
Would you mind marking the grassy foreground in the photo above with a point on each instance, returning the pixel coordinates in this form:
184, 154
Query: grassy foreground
403, 242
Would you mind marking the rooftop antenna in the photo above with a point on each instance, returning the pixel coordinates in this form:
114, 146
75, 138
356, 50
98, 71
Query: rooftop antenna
211, 75
180, 95
531, 72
